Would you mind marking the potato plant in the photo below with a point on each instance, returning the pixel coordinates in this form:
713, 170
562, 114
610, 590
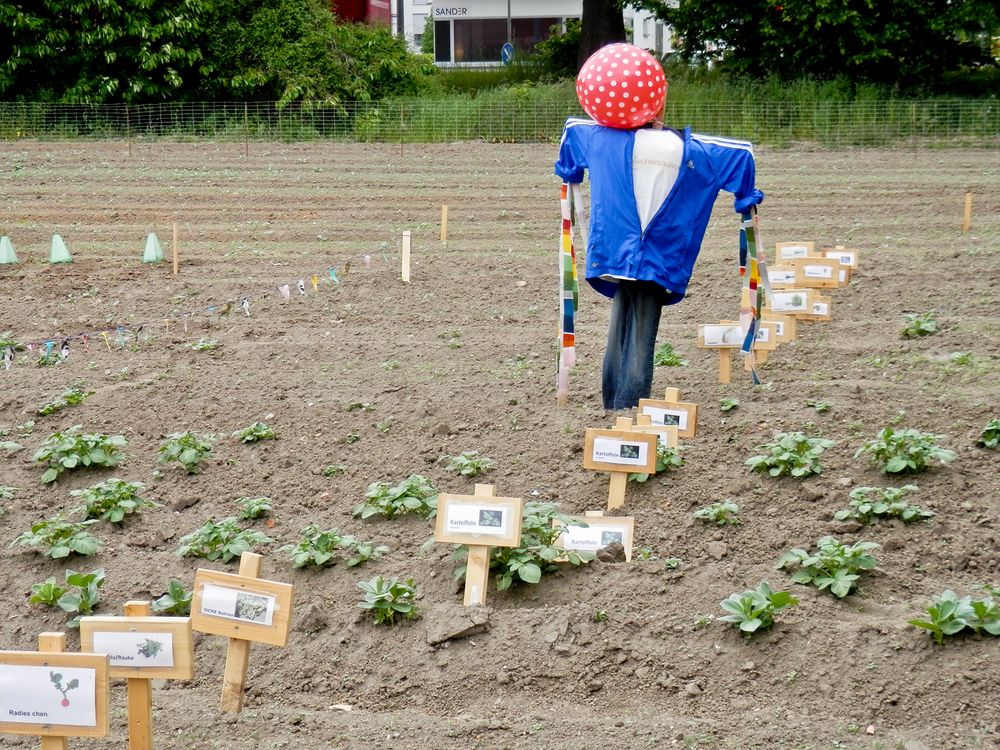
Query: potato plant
70, 397
667, 459
792, 453
389, 599
834, 565
112, 500
224, 541
951, 614
79, 599
188, 449
754, 610
469, 464
176, 601
919, 324
252, 508
256, 432
990, 437
904, 451
415, 494
73, 449
721, 513
319, 547
58, 538
665, 356
870, 504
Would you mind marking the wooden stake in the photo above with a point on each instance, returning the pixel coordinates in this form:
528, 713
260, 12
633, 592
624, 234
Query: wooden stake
619, 479
444, 223
477, 570
140, 695
406, 256
238, 654
725, 366
246, 130
52, 643
175, 248
967, 216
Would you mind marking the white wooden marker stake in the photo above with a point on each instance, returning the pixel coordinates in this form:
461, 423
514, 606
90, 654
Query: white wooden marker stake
967, 216
406, 256
444, 223
175, 248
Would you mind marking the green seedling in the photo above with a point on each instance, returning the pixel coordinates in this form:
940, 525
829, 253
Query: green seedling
728, 404
792, 453
252, 508
255, 432
536, 554
47, 593
821, 407
9, 447
665, 356
333, 469
384, 426
390, 364
204, 345
753, 611
950, 614
319, 547
834, 566
70, 397
176, 602
352, 438
224, 541
672, 563
870, 504
919, 324
112, 500
721, 514
81, 601
188, 449
58, 538
599, 616
361, 406
415, 494
48, 359
389, 599
65, 451
904, 451
991, 434
667, 459
469, 464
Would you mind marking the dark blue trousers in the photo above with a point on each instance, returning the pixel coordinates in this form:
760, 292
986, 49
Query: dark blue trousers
628, 359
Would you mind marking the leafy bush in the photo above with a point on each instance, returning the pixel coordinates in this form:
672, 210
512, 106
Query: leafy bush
991, 434
187, 448
536, 553
256, 431
666, 460
47, 593
868, 504
905, 451
63, 451
204, 345
469, 464
252, 508
112, 500
919, 324
753, 611
389, 599
58, 538
950, 614
81, 601
834, 565
70, 397
224, 541
792, 453
665, 356
415, 494
726, 512
319, 547
177, 600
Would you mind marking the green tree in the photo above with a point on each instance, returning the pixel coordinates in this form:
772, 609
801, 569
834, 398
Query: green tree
96, 51
601, 23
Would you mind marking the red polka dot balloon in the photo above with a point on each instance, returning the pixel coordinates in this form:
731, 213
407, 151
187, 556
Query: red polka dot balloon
621, 86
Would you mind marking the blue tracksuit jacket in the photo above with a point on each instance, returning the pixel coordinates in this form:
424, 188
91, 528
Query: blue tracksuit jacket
665, 253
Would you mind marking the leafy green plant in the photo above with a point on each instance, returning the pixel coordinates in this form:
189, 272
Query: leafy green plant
821, 407
721, 514
319, 547
469, 464
536, 553
81, 601
177, 600
904, 451
47, 593
950, 614
70, 397
64, 451
360, 406
667, 459
252, 508
728, 404
204, 345
223, 541
112, 500
991, 434
333, 469
415, 494
9, 447
58, 538
754, 610
7, 492
255, 432
919, 324
48, 359
792, 453
665, 356
834, 566
186, 448
389, 599
869, 504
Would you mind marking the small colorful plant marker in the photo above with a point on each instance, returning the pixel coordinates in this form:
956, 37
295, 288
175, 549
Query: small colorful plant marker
480, 521
244, 608
620, 451
53, 694
670, 410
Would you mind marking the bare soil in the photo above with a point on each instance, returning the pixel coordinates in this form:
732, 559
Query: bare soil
462, 358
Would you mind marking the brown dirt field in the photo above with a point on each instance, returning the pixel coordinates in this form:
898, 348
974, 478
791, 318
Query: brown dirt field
658, 672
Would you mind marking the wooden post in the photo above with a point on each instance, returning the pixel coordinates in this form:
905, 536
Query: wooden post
140, 695
53, 643
238, 654
246, 130
967, 216
725, 366
444, 223
619, 479
175, 248
477, 570
406, 256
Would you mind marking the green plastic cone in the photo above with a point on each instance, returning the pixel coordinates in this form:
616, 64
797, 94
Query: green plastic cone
7, 254
59, 253
153, 252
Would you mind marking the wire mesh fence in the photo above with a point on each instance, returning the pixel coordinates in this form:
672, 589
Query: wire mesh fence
886, 124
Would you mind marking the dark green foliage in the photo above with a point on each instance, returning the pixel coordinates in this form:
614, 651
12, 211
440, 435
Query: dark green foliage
753, 611
834, 565
58, 538
415, 494
950, 614
112, 500
389, 598
319, 547
64, 451
223, 541
558, 54
177, 600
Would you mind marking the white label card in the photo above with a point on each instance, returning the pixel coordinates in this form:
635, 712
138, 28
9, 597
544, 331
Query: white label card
722, 335
136, 649
818, 272
845, 259
48, 695
469, 518
794, 251
675, 417
791, 301
820, 308
779, 328
236, 604
614, 451
781, 277
592, 538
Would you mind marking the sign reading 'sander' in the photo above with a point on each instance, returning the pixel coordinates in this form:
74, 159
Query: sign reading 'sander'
613, 450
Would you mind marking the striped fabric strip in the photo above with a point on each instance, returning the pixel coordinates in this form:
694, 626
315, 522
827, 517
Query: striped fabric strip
753, 270
569, 295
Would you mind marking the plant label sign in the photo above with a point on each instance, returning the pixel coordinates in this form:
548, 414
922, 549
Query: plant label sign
592, 533
468, 519
672, 412
249, 609
791, 301
666, 435
620, 451
788, 250
143, 647
784, 327
730, 336
817, 273
821, 309
781, 277
53, 694
846, 256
